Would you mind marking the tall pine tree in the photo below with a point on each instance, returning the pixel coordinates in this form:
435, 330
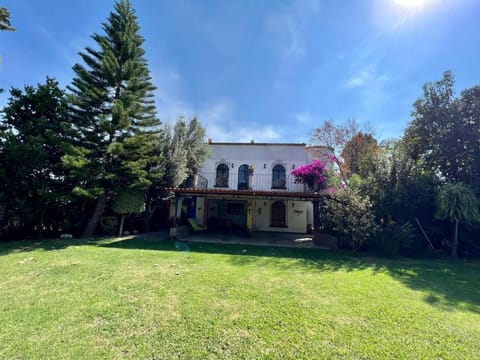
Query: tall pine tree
114, 111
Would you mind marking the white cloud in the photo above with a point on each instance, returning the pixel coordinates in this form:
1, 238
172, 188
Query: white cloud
169, 95
287, 25
218, 117
222, 125
366, 77
305, 118
358, 79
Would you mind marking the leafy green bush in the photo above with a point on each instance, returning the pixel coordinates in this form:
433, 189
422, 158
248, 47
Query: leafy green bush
108, 224
457, 203
349, 215
392, 239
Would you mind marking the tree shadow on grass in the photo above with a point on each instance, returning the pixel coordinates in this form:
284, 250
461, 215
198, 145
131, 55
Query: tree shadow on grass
19, 246
136, 241
447, 284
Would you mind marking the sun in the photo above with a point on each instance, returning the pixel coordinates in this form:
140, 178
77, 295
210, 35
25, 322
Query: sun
410, 4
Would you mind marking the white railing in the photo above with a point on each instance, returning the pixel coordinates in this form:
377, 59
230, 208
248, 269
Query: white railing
259, 182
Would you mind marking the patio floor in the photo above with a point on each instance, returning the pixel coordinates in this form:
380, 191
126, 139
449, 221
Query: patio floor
256, 238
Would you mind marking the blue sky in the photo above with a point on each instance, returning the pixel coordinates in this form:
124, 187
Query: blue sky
266, 70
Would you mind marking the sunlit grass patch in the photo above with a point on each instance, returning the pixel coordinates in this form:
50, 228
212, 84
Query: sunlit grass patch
141, 298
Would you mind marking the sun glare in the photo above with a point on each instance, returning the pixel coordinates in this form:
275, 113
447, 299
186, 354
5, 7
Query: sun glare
410, 4
402, 14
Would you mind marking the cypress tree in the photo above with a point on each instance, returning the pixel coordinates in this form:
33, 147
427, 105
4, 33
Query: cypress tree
113, 108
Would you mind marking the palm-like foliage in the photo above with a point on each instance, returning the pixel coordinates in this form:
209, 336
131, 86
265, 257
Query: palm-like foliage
457, 203
5, 20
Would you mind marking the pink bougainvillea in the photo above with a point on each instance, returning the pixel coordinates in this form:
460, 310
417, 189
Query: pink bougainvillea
314, 175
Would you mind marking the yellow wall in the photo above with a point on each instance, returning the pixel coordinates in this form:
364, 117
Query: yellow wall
296, 216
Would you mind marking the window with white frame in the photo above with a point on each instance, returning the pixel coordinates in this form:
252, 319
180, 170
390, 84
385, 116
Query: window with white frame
278, 177
221, 178
243, 177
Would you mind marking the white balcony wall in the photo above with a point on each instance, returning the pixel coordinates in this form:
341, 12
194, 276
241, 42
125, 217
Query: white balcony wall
263, 157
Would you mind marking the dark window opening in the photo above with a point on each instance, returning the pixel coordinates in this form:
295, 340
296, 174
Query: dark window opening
221, 179
235, 209
278, 217
243, 177
278, 177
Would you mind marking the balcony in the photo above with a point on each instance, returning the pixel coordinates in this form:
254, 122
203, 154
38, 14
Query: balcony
256, 182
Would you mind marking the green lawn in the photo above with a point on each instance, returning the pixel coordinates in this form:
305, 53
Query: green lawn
143, 299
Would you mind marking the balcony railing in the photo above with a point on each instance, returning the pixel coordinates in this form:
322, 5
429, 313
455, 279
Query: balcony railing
259, 182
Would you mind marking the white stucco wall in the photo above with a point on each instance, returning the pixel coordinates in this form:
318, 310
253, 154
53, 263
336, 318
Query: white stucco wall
262, 156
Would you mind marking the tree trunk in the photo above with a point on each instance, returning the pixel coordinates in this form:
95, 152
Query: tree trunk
147, 217
146, 221
97, 212
343, 177
41, 219
455, 242
120, 231
316, 215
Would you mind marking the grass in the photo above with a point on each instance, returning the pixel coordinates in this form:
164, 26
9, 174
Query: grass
142, 299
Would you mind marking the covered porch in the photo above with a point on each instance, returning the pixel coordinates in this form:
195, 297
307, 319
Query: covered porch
246, 212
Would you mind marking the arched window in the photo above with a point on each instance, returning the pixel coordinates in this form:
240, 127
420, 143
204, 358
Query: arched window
221, 179
278, 217
243, 177
278, 177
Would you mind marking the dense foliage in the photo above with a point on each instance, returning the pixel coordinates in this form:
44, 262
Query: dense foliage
350, 216
113, 108
71, 161
404, 177
360, 154
443, 137
34, 134
5, 24
457, 203
128, 202
183, 149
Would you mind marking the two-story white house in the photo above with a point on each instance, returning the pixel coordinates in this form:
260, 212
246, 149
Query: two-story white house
249, 186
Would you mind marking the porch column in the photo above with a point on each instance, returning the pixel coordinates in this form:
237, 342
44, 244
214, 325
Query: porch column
173, 229
250, 215
316, 215
193, 208
176, 200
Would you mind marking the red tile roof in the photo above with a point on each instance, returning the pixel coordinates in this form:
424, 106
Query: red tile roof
305, 195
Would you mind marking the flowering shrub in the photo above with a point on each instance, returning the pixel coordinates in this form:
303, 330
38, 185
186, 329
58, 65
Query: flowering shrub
314, 175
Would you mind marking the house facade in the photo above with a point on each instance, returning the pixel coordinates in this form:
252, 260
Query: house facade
249, 186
